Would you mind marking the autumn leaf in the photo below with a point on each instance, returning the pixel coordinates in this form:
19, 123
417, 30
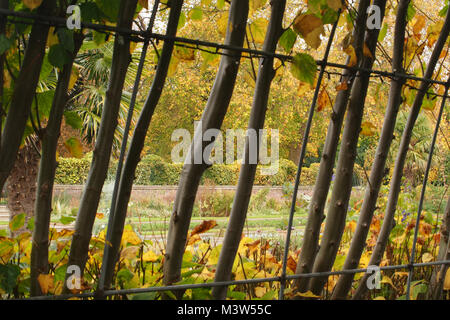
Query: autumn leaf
256, 4
342, 86
335, 4
46, 282
130, 237
350, 51
260, 292
366, 51
32, 4
309, 26
222, 24
17, 222
427, 257
447, 280
307, 294
204, 227
368, 128
73, 145
253, 246
129, 253
144, 3
6, 249
418, 26
291, 264
73, 77
150, 256
323, 101
184, 54
387, 280
258, 30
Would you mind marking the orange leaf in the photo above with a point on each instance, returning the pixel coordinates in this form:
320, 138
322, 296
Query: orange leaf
352, 54
367, 128
419, 25
323, 100
45, 282
292, 264
204, 227
342, 86
309, 27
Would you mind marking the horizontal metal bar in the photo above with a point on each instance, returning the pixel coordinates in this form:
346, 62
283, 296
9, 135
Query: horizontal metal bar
233, 282
144, 35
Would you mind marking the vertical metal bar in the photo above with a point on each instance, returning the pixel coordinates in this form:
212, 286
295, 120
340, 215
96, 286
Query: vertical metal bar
302, 156
123, 151
422, 193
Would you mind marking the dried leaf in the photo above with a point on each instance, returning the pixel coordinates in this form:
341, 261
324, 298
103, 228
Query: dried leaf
323, 101
292, 264
204, 227
307, 294
46, 282
368, 128
342, 86
310, 27
419, 25
350, 51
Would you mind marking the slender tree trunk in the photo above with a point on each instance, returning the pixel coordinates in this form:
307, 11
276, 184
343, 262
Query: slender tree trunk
137, 142
4, 4
102, 151
46, 177
24, 91
213, 116
248, 170
376, 173
437, 279
394, 190
323, 180
337, 212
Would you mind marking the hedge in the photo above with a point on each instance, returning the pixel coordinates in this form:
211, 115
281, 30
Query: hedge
154, 170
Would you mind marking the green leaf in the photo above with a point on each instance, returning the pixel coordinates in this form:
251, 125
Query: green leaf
269, 295
287, 40
89, 12
73, 119
191, 272
220, 4
46, 69
65, 220
196, 13
411, 12
45, 101
58, 56
5, 43
73, 145
444, 10
383, 32
110, 9
304, 67
17, 222
65, 37
9, 274
30, 224
329, 16
182, 20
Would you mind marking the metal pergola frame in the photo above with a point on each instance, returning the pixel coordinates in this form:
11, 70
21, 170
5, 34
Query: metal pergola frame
146, 37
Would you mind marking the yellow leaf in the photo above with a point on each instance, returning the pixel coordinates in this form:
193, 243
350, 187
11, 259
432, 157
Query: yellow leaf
323, 100
258, 30
45, 282
52, 37
222, 24
310, 27
32, 4
307, 294
292, 264
133, 46
350, 51
419, 25
447, 280
387, 280
174, 61
6, 249
150, 256
73, 77
379, 298
368, 129
73, 145
342, 86
427, 257
130, 237
260, 292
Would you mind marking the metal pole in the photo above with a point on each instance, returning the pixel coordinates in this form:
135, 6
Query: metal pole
422, 194
302, 156
123, 150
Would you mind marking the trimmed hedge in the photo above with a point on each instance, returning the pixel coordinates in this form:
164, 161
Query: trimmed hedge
154, 170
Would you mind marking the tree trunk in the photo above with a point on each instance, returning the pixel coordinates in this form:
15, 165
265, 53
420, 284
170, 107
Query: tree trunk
213, 116
323, 180
24, 92
46, 177
137, 142
376, 173
395, 185
248, 170
439, 272
4, 4
337, 212
21, 184
102, 151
